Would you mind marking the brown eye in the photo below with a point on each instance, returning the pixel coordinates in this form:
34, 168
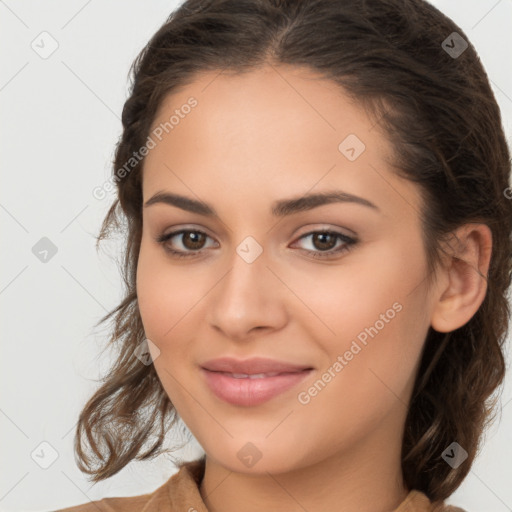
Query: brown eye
183, 243
193, 240
324, 241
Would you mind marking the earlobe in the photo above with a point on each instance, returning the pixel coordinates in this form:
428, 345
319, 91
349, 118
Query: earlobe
465, 278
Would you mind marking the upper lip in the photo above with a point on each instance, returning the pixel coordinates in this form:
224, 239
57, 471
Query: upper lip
252, 366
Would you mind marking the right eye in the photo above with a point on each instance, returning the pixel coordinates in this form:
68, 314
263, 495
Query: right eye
192, 245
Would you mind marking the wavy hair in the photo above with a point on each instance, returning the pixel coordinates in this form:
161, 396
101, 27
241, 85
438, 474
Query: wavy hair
445, 127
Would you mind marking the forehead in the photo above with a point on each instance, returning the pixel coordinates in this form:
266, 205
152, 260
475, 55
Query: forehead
274, 128
273, 98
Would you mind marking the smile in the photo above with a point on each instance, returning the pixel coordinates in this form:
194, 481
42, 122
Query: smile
249, 390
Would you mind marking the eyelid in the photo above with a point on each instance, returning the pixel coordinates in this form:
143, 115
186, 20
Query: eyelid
313, 228
165, 237
310, 229
347, 242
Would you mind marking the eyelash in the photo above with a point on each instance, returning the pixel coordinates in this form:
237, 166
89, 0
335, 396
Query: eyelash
349, 243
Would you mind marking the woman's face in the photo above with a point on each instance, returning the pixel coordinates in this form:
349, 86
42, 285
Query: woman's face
260, 276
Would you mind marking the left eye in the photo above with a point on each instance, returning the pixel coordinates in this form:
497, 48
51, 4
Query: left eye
193, 240
325, 241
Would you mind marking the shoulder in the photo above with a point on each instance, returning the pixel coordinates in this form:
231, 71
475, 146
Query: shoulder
443, 507
173, 495
125, 504
449, 508
417, 501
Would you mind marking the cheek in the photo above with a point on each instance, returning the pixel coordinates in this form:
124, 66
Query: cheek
165, 293
371, 310
172, 298
345, 298
164, 298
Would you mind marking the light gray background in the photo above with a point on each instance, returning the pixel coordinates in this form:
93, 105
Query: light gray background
60, 122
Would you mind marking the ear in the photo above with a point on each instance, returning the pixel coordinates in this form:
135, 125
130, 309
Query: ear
463, 281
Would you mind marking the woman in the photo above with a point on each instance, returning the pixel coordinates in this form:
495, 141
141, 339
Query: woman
314, 196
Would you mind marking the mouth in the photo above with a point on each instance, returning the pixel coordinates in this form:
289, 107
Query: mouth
252, 389
253, 366
253, 375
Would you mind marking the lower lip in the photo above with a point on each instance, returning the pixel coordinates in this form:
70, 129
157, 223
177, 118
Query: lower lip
250, 392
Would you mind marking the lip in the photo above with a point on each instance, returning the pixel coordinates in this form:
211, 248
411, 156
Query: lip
247, 391
252, 366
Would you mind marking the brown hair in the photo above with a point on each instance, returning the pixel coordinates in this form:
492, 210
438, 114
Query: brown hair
442, 119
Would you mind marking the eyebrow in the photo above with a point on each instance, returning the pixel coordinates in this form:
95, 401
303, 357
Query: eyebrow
281, 208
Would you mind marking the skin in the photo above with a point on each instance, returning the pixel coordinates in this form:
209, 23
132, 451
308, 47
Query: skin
251, 140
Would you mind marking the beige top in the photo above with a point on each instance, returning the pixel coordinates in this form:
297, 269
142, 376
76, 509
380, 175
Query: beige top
181, 494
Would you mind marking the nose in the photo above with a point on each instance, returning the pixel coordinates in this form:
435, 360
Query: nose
248, 298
